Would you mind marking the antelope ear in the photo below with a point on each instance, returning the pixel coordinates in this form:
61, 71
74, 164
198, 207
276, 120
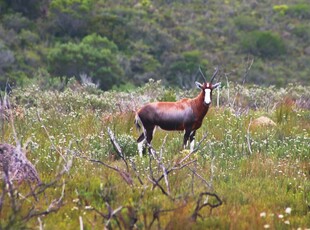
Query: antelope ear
216, 85
199, 85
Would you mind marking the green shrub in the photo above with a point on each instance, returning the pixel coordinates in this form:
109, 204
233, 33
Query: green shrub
246, 23
299, 10
94, 56
128, 144
265, 44
280, 8
28, 38
16, 22
70, 17
302, 31
168, 95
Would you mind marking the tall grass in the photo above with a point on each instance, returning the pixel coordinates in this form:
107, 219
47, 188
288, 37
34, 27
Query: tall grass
259, 173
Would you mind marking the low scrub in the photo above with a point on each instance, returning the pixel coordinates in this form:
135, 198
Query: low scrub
82, 144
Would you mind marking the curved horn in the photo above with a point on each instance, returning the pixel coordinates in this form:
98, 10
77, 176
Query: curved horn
214, 74
204, 78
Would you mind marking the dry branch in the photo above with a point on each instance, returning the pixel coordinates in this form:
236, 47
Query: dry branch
200, 205
178, 165
117, 148
125, 175
157, 212
119, 151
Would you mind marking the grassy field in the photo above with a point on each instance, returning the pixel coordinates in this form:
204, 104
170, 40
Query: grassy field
255, 177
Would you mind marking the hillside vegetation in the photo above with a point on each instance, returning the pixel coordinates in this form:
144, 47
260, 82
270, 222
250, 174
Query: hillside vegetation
125, 43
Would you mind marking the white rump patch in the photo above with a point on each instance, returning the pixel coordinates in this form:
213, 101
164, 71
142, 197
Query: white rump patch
207, 96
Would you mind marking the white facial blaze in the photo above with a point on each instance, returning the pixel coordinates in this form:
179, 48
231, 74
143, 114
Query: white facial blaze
207, 96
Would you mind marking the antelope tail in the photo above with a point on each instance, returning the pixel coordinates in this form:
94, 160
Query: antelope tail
138, 126
137, 121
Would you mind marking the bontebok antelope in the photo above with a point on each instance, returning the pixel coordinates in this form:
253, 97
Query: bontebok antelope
186, 114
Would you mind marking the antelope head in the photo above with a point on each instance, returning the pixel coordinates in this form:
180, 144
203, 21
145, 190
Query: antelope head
208, 87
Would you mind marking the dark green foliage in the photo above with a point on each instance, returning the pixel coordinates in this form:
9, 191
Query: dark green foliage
94, 56
247, 23
168, 95
265, 44
299, 10
70, 18
16, 22
182, 70
302, 31
30, 8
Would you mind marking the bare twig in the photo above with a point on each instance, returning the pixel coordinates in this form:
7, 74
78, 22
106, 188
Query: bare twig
117, 148
122, 155
151, 176
248, 137
54, 206
247, 69
81, 223
161, 165
10, 186
157, 212
110, 215
125, 175
40, 223
200, 205
200, 177
175, 167
218, 97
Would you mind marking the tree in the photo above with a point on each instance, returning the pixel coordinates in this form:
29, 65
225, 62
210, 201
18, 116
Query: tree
182, 69
94, 56
30, 8
70, 17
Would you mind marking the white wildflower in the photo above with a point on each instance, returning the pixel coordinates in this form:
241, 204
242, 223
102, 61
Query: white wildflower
288, 210
287, 222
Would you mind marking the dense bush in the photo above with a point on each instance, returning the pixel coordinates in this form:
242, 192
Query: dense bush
69, 18
94, 56
299, 10
247, 23
302, 31
265, 44
31, 9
